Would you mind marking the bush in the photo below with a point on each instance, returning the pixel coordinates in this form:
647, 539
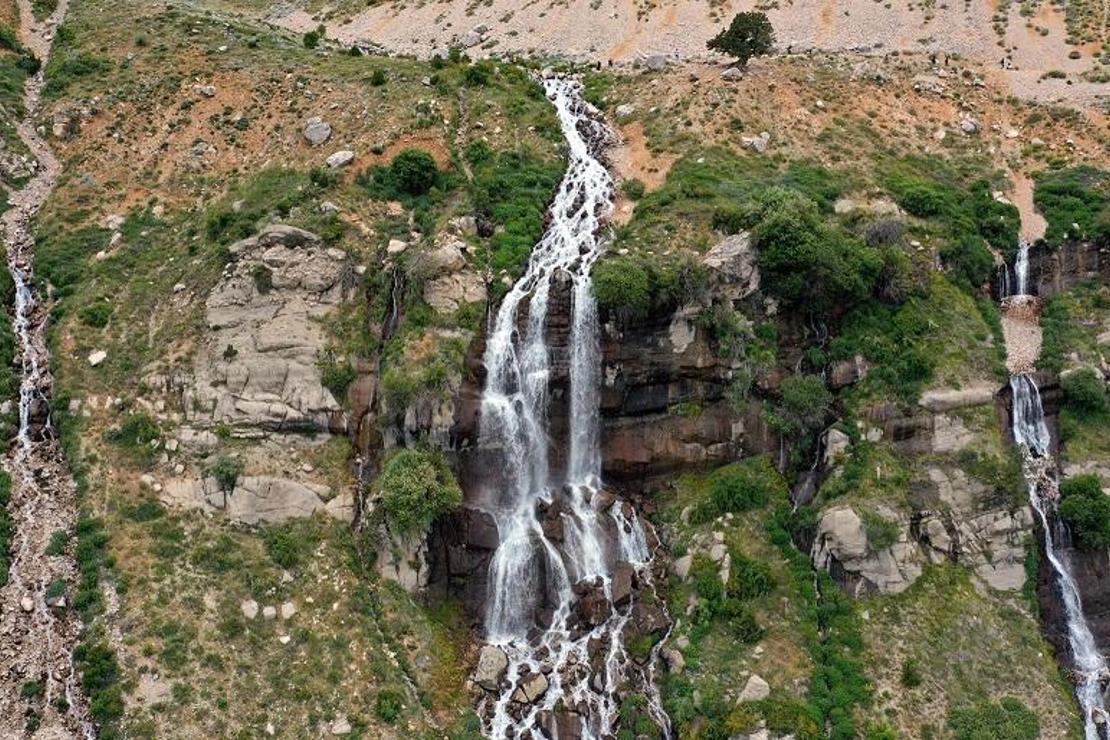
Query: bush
388, 705
263, 279
96, 314
100, 676
312, 38
478, 74
622, 288
1006, 720
803, 405
739, 489
226, 471
911, 674
377, 77
416, 487
805, 263
1085, 393
289, 544
968, 261
1086, 511
137, 431
749, 578
633, 188
336, 375
749, 35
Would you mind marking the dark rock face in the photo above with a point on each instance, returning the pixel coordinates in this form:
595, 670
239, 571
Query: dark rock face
1053, 270
459, 550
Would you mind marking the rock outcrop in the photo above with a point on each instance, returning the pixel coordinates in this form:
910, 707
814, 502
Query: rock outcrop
258, 499
258, 365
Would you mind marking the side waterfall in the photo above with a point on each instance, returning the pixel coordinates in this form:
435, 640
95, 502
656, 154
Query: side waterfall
536, 579
1031, 435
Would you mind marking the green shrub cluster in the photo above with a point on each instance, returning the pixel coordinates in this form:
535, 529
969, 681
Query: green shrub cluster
1086, 510
720, 606
271, 191
1085, 394
631, 288
416, 487
744, 486
68, 64
1008, 719
1056, 334
512, 190
805, 262
410, 373
100, 678
1078, 195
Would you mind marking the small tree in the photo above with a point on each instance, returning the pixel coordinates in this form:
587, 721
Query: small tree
749, 35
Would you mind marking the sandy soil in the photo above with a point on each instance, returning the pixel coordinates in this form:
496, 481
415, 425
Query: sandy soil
633, 160
618, 31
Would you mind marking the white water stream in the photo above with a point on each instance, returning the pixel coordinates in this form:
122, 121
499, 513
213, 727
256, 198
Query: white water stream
529, 570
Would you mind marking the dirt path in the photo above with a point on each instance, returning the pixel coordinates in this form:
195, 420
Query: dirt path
38, 629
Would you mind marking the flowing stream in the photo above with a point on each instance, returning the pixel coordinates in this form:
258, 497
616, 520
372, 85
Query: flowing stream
536, 579
1032, 437
40, 630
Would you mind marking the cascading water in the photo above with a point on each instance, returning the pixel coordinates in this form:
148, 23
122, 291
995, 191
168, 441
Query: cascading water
1090, 668
1021, 270
563, 663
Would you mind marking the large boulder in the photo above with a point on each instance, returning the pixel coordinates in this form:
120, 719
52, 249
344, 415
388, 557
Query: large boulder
492, 665
732, 266
450, 283
841, 547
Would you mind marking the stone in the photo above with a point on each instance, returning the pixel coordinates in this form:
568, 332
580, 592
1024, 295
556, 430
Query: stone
842, 546
847, 372
942, 400
676, 663
342, 158
624, 110
27, 604
288, 609
207, 91
284, 639
97, 357
396, 246
269, 612
836, 445
249, 608
258, 499
114, 222
178, 287
756, 689
316, 131
682, 566
732, 266
340, 726
492, 665
471, 39
732, 74
656, 62
621, 586
969, 125
448, 293
531, 688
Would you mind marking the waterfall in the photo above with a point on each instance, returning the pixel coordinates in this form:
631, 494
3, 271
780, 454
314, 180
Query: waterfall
1021, 269
532, 571
1090, 668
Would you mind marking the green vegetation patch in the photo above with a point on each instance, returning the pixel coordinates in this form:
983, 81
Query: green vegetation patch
417, 486
1086, 510
1074, 197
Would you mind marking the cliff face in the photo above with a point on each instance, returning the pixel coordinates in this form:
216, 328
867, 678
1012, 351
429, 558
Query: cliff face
1052, 270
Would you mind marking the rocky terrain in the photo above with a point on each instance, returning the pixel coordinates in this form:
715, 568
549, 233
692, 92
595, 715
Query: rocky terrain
269, 266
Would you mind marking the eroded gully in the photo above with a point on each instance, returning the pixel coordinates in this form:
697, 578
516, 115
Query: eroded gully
37, 638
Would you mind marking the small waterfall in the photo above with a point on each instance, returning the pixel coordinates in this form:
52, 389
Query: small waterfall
1090, 668
1003, 281
1021, 270
531, 571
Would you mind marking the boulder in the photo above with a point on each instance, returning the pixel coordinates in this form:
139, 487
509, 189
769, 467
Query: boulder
492, 665
531, 688
249, 608
836, 444
732, 266
342, 158
624, 110
316, 131
841, 546
847, 372
255, 499
206, 91
97, 357
732, 74
756, 689
621, 587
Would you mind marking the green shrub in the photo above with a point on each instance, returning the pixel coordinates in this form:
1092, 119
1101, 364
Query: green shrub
622, 288
1085, 393
416, 487
59, 538
290, 544
226, 471
378, 77
968, 261
803, 262
1005, 720
1086, 510
136, 432
311, 39
633, 188
749, 578
100, 675
96, 314
478, 74
804, 403
336, 375
911, 674
263, 278
737, 490
62, 260
414, 171
388, 705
